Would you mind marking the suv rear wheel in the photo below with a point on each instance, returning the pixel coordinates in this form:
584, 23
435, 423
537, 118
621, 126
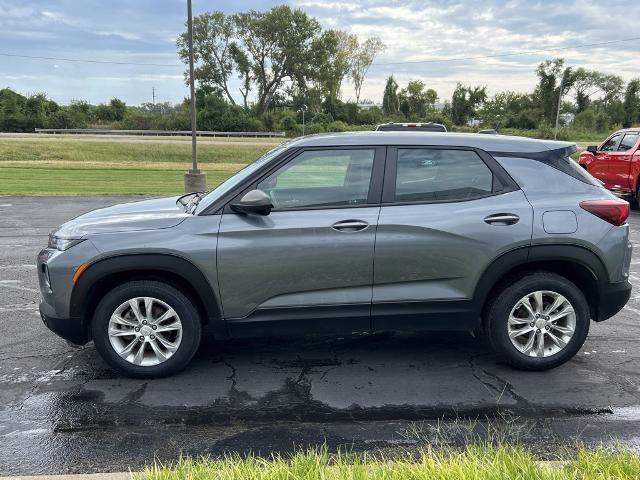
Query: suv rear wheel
146, 329
538, 322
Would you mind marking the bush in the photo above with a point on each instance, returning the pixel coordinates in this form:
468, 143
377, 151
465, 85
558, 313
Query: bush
322, 118
338, 126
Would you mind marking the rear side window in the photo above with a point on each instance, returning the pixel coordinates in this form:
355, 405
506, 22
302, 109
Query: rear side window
441, 175
628, 142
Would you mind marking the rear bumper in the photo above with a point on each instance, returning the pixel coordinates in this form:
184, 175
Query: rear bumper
613, 297
71, 329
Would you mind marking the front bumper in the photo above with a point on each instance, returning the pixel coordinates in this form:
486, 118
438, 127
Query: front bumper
71, 329
613, 297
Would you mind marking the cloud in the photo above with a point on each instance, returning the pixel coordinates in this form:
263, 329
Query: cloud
144, 31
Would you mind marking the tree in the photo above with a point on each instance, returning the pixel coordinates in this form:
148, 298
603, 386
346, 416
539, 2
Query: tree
551, 75
118, 109
213, 50
278, 48
415, 101
632, 103
390, 105
334, 53
585, 83
363, 58
611, 86
465, 101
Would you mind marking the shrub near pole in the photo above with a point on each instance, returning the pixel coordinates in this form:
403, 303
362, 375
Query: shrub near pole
194, 179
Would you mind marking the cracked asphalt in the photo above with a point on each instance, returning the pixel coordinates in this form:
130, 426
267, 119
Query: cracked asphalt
62, 410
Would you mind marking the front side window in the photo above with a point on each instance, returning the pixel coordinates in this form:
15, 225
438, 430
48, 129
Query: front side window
441, 175
321, 178
628, 142
611, 145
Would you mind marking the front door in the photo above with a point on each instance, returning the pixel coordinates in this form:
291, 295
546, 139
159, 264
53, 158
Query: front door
307, 266
599, 167
446, 215
619, 163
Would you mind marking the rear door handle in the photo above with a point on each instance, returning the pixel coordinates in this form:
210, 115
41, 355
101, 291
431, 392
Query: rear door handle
350, 226
502, 219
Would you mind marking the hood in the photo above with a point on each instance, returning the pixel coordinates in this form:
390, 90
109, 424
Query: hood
144, 215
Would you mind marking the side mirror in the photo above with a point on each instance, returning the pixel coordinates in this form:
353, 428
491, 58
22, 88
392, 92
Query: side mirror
592, 149
255, 202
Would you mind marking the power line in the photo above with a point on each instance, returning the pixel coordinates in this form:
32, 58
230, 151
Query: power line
407, 62
510, 54
79, 60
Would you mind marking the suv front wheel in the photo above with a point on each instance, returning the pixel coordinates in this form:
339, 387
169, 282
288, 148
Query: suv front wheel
146, 329
538, 322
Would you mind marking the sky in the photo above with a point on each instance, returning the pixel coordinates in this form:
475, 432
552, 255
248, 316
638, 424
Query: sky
448, 35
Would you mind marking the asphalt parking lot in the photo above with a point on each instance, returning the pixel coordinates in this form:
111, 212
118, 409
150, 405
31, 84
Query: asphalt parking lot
63, 410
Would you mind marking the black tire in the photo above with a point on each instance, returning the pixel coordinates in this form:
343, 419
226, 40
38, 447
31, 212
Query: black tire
500, 307
189, 317
635, 201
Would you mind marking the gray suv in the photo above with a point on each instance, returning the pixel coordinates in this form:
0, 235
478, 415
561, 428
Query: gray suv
332, 234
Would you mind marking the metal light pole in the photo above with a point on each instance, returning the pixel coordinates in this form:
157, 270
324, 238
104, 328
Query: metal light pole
194, 179
555, 135
303, 109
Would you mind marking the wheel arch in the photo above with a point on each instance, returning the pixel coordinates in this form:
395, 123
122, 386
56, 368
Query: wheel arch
578, 264
104, 274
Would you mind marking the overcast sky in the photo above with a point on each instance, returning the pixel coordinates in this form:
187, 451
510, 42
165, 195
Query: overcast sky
144, 31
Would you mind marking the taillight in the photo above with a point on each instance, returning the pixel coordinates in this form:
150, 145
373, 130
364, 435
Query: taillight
614, 211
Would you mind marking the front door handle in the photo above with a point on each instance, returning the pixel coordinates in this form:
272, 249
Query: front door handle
350, 226
502, 219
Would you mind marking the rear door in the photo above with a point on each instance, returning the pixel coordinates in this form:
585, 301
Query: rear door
619, 162
447, 213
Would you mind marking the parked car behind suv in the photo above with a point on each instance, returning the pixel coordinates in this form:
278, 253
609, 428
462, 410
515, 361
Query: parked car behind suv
616, 162
344, 233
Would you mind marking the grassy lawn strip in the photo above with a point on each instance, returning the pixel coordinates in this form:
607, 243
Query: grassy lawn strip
81, 151
97, 181
475, 462
71, 167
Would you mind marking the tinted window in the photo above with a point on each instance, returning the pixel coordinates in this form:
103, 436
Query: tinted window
431, 175
322, 178
612, 144
628, 142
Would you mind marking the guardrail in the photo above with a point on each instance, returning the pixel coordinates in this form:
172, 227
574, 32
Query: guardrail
200, 133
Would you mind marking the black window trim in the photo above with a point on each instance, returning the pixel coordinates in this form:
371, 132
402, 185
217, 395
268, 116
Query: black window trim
632, 134
503, 183
375, 185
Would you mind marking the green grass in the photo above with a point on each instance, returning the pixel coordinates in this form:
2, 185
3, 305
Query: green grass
476, 462
81, 150
80, 167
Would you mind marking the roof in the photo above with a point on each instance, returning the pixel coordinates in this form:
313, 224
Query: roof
489, 143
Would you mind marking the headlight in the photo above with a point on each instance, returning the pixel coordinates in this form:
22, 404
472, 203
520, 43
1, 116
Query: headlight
63, 244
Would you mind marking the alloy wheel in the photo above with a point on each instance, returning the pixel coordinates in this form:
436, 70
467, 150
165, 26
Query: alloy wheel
541, 323
145, 331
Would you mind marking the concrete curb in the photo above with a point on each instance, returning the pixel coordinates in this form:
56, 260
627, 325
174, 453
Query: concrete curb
87, 476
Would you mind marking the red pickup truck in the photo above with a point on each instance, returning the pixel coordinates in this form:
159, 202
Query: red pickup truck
616, 162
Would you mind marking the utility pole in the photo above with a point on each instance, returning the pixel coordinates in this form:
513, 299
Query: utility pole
303, 109
555, 135
194, 179
153, 96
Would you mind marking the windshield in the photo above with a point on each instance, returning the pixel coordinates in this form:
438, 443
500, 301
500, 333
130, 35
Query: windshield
235, 179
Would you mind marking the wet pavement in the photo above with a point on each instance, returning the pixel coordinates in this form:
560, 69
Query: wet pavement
62, 410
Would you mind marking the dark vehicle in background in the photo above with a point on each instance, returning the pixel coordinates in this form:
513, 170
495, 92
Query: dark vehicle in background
408, 127
616, 162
